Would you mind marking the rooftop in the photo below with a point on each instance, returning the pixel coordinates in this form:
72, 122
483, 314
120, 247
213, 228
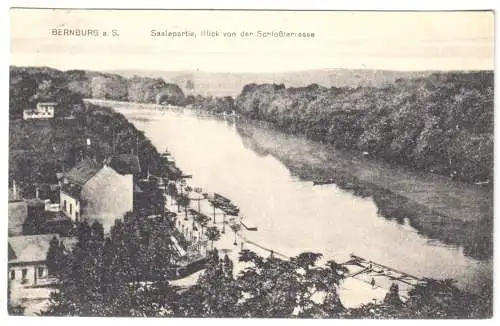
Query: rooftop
125, 164
32, 248
82, 172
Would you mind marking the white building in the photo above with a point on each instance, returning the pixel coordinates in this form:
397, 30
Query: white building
29, 280
27, 258
43, 110
91, 192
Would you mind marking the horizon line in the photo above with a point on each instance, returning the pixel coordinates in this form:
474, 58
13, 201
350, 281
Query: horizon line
117, 70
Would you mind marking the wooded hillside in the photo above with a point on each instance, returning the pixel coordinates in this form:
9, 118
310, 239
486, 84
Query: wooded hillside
29, 85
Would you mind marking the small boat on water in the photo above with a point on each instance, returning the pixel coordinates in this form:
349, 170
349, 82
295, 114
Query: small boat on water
323, 182
224, 204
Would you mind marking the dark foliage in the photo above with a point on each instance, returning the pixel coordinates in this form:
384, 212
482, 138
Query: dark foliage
212, 104
441, 124
432, 299
120, 275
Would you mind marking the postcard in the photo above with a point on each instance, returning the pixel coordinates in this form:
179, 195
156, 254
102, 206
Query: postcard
251, 163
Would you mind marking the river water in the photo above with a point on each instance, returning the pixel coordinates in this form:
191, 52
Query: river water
292, 215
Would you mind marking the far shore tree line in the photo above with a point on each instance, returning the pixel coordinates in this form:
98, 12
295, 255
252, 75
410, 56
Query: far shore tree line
441, 124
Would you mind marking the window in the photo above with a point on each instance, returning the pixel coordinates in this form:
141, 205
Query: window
40, 271
77, 216
12, 275
64, 205
70, 209
25, 273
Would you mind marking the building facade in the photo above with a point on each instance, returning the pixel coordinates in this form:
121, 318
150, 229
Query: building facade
27, 258
96, 193
43, 110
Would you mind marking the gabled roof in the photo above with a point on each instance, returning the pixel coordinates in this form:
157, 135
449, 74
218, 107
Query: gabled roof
33, 248
125, 164
106, 176
82, 172
72, 189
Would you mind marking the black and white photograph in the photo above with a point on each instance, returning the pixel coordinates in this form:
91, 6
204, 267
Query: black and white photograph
314, 164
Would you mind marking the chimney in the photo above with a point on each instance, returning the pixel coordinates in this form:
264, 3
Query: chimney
14, 189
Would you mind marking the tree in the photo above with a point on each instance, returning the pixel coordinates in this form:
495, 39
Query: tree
271, 288
183, 200
274, 287
392, 297
306, 260
216, 294
235, 227
213, 234
172, 190
202, 220
55, 257
214, 205
107, 276
431, 299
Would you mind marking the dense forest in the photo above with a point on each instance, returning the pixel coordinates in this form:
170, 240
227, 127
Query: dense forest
442, 123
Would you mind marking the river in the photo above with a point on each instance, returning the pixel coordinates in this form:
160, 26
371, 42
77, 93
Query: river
293, 215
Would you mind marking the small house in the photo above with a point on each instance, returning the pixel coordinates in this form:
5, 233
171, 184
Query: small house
27, 258
94, 192
43, 110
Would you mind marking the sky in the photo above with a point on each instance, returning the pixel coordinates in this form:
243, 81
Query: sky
353, 40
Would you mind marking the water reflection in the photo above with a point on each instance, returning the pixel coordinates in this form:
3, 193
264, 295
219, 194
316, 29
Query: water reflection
268, 175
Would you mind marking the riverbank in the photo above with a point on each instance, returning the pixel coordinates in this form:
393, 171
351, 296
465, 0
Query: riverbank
324, 219
439, 208
354, 291
424, 123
